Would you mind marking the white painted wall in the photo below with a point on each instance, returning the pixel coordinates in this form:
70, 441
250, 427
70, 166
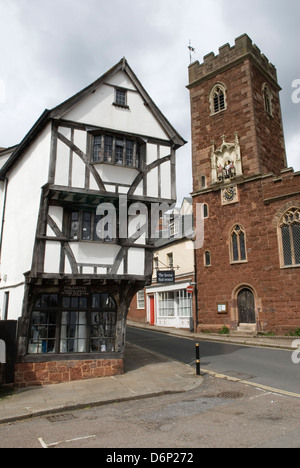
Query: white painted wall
22, 208
98, 109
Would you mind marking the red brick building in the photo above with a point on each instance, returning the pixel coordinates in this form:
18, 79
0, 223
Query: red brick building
248, 272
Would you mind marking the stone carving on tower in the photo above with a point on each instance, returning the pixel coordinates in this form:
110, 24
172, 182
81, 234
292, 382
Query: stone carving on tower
226, 162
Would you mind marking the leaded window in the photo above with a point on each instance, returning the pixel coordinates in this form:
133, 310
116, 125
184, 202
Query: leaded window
62, 324
238, 244
116, 150
290, 237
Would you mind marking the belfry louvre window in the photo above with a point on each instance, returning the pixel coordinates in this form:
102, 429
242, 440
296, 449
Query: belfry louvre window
116, 150
217, 99
238, 244
290, 237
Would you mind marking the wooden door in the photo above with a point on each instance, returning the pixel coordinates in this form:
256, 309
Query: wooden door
246, 306
152, 310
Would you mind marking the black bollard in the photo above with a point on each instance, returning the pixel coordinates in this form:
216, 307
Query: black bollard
198, 359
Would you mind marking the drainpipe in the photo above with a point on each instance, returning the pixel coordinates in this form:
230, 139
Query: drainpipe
3, 214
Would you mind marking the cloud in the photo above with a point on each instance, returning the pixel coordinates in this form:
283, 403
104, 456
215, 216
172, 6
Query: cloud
51, 49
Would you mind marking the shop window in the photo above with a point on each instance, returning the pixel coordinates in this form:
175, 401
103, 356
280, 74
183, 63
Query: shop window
290, 238
69, 324
43, 325
174, 303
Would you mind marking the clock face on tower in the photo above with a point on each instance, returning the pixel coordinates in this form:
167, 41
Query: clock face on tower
229, 195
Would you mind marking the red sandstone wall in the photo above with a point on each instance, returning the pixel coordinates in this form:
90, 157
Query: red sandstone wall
47, 373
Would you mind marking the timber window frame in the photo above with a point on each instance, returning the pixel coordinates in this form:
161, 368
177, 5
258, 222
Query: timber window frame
72, 325
289, 238
85, 226
238, 249
121, 98
118, 150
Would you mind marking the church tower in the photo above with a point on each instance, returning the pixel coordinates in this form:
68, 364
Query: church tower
236, 113
249, 263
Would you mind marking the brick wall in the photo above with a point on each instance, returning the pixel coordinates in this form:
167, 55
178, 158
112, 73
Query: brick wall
48, 373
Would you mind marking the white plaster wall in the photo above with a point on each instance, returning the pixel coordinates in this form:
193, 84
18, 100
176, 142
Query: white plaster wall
22, 208
98, 109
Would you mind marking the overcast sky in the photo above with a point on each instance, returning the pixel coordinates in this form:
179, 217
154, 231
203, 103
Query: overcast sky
51, 49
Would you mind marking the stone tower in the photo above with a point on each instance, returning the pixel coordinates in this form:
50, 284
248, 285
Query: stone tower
249, 264
235, 100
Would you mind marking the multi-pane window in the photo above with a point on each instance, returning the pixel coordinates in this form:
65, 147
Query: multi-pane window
166, 304
141, 300
63, 324
290, 237
88, 226
238, 244
103, 324
174, 303
116, 150
43, 325
73, 332
121, 97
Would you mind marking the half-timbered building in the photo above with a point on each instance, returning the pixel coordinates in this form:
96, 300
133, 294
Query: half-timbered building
77, 196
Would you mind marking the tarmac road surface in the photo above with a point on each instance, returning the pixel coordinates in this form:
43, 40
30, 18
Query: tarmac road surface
269, 367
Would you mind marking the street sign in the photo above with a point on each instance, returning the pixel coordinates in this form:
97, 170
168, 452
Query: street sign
166, 276
190, 289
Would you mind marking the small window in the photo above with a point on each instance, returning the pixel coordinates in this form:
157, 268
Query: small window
121, 96
203, 182
217, 99
170, 260
290, 237
141, 300
205, 210
207, 258
267, 99
238, 244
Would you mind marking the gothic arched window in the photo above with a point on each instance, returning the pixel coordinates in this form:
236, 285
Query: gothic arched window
238, 244
290, 237
218, 99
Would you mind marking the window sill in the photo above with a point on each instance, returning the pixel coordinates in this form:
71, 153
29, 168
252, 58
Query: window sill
122, 106
217, 113
239, 262
49, 357
288, 267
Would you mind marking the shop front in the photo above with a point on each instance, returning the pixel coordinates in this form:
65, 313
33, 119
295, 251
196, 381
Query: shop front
172, 306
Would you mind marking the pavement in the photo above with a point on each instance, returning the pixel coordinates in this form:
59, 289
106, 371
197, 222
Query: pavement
147, 374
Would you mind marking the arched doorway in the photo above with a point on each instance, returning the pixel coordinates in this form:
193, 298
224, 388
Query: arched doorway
246, 306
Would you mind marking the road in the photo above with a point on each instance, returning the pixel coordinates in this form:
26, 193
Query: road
270, 367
